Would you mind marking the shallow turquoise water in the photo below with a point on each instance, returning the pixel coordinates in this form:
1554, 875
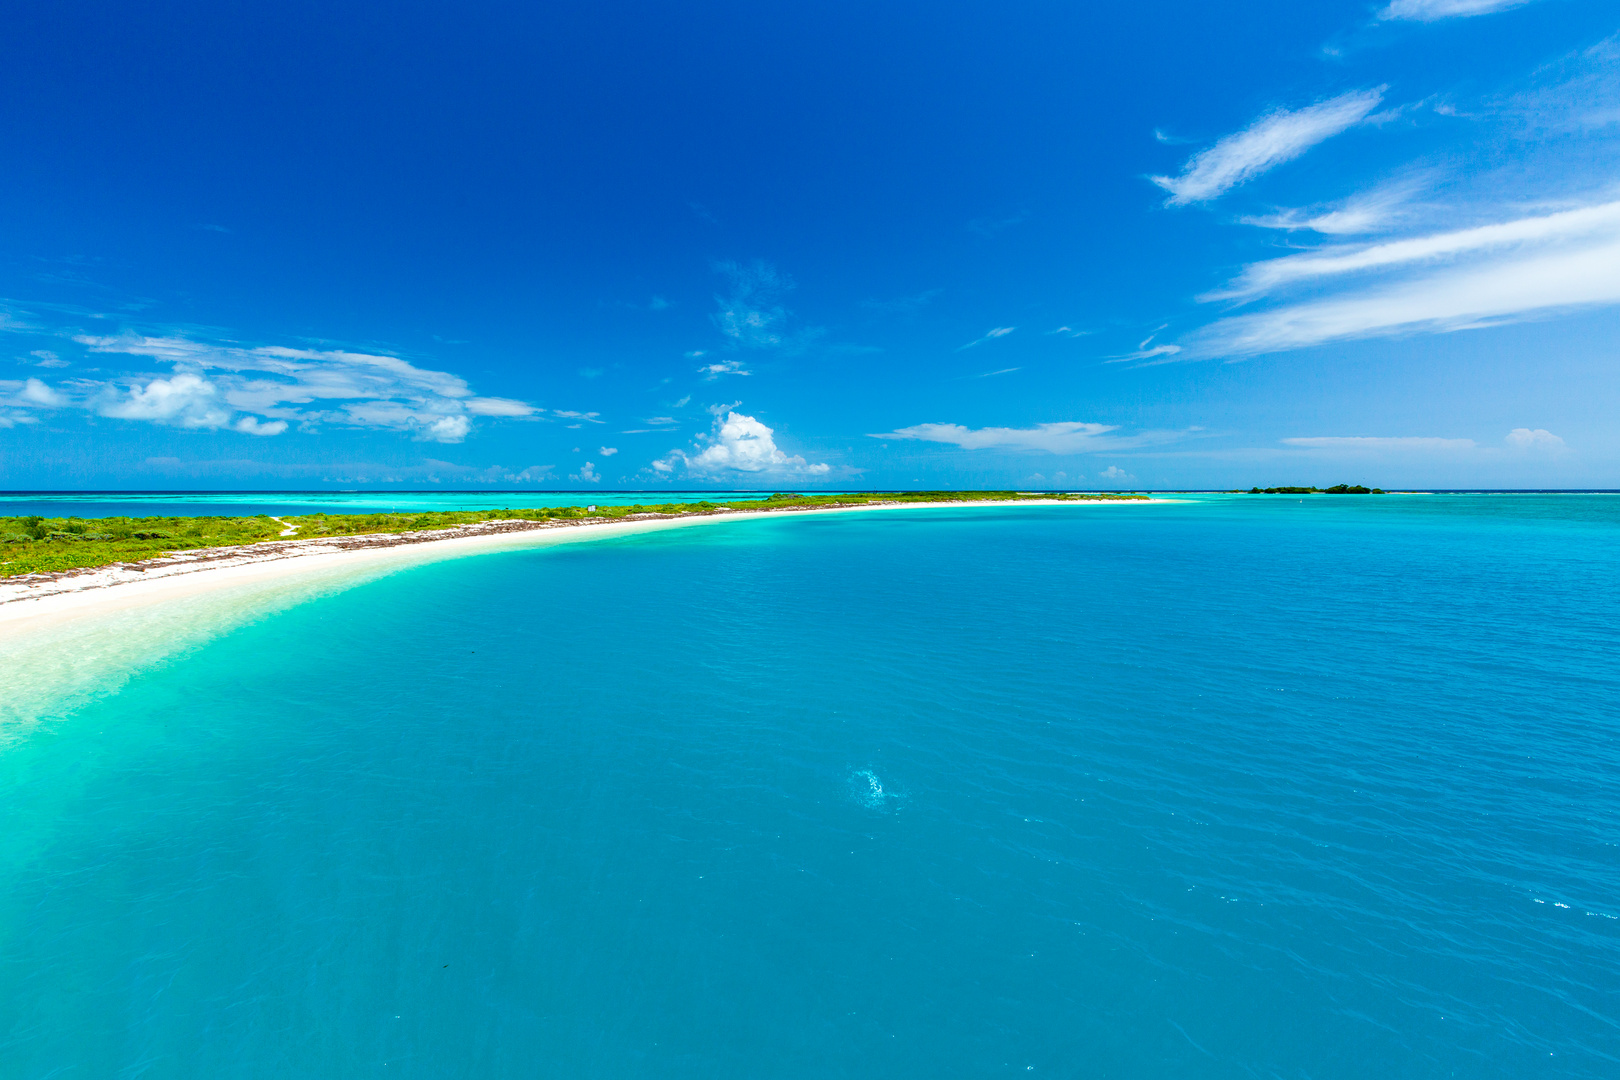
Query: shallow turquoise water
1234, 788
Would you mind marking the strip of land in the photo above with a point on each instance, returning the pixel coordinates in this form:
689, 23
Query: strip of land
96, 576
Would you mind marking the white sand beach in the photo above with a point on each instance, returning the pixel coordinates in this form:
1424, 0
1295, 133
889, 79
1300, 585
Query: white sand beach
121, 585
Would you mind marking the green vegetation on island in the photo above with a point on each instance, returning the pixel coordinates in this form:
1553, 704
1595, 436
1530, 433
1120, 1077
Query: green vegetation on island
33, 545
1336, 489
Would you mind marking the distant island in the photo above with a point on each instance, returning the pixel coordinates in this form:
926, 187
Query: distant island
1336, 489
56, 546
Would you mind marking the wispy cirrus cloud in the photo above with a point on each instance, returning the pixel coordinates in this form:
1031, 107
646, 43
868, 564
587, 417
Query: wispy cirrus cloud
1147, 351
1063, 437
1366, 212
990, 226
710, 372
1276, 137
1520, 440
905, 305
989, 335
752, 314
1536, 240
1578, 227
1158, 354
1382, 444
1577, 94
1435, 10
1445, 282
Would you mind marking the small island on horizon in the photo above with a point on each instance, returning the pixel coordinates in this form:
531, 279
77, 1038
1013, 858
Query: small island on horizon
1336, 489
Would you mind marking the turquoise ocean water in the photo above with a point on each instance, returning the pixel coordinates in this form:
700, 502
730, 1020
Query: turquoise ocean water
1221, 788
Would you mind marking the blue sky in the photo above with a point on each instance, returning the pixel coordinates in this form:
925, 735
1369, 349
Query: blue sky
725, 245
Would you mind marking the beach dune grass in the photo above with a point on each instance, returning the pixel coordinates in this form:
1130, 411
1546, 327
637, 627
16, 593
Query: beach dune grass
35, 545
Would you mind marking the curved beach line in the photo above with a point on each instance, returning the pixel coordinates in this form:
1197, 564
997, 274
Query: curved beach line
68, 638
151, 579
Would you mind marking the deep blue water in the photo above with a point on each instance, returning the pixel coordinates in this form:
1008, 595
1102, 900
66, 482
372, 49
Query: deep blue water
1234, 788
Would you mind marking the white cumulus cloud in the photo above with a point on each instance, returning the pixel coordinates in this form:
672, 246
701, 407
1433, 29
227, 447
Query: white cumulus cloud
1273, 139
1533, 439
35, 392
252, 425
738, 444
21, 399
185, 400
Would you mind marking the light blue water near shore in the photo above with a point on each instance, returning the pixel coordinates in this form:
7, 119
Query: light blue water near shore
1236, 788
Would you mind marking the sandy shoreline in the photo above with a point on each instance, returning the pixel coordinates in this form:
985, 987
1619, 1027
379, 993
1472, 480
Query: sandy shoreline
67, 639
27, 600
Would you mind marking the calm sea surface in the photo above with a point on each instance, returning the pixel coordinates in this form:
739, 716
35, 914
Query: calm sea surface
1225, 788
